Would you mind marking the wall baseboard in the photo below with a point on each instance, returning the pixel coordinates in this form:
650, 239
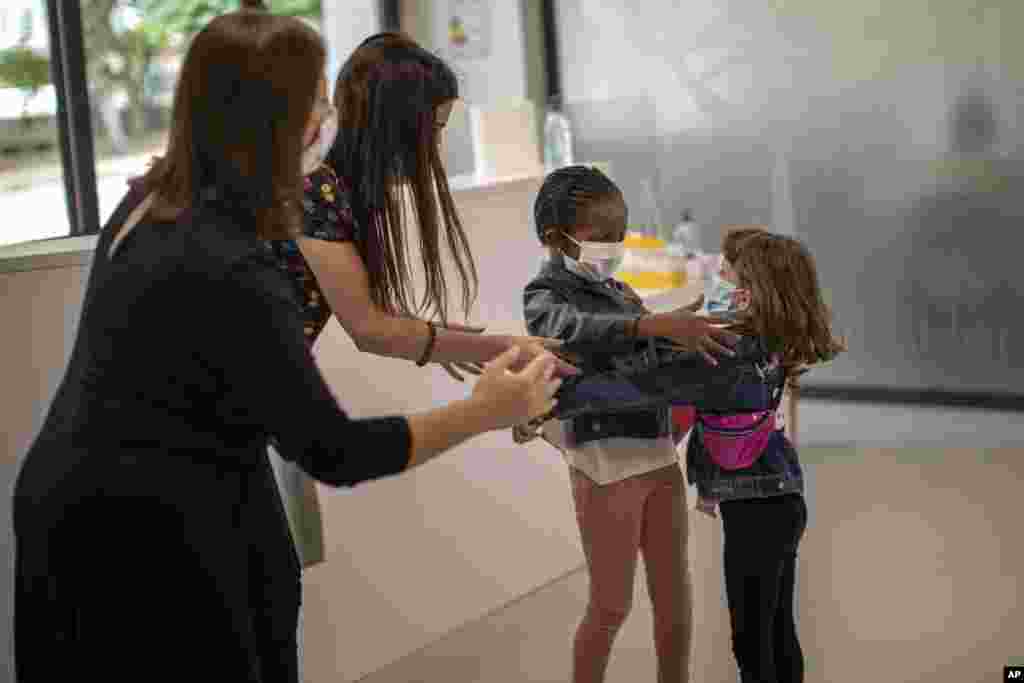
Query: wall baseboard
1002, 401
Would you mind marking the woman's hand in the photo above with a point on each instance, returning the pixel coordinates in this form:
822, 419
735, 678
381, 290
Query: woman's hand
535, 347
530, 348
510, 398
695, 305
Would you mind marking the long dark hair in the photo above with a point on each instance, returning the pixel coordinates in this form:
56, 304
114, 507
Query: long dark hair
386, 95
246, 92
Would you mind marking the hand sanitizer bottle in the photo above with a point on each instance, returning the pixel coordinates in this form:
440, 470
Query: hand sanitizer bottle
557, 137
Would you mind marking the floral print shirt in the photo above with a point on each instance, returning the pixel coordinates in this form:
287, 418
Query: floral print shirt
327, 214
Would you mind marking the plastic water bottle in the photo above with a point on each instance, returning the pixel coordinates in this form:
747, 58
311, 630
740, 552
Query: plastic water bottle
679, 246
683, 247
683, 242
557, 138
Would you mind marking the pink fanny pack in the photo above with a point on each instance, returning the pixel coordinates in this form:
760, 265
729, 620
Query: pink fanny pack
736, 441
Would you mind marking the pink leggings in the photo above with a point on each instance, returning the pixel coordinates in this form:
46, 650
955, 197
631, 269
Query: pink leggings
645, 513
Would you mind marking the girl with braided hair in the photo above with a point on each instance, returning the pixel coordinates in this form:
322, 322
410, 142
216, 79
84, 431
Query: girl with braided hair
627, 485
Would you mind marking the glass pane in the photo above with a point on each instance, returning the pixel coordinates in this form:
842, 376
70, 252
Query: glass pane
132, 61
32, 197
894, 153
134, 50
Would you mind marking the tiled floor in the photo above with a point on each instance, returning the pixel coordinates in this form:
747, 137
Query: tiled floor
528, 641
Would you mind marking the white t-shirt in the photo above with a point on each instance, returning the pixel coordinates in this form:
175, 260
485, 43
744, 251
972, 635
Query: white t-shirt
606, 461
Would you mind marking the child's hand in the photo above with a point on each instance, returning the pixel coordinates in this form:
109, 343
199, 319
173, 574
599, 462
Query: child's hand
692, 332
631, 294
695, 306
707, 506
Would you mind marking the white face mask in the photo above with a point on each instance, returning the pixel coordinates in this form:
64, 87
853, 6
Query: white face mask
720, 297
317, 152
598, 260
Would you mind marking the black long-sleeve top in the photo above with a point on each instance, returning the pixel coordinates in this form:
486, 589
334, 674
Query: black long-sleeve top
152, 462
191, 344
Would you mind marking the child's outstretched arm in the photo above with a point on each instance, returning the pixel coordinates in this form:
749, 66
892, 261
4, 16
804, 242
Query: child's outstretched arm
746, 383
550, 314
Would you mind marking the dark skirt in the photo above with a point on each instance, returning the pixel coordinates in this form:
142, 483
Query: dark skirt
149, 565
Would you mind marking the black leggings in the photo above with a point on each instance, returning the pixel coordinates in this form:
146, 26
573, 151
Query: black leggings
761, 539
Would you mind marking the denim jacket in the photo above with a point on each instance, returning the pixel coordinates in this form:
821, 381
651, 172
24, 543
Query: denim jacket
776, 472
627, 384
593, 321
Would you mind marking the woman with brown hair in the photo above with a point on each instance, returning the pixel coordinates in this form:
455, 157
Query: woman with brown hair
392, 99
150, 541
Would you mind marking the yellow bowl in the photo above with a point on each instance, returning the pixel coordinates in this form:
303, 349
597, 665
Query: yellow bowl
652, 279
635, 240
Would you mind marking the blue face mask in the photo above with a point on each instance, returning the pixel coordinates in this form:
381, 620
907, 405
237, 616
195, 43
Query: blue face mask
720, 297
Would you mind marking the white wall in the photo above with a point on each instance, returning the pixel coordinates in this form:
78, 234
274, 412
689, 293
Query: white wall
39, 310
346, 23
502, 92
506, 75
488, 81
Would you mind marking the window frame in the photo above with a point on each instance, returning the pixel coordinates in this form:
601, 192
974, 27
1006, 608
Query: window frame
74, 120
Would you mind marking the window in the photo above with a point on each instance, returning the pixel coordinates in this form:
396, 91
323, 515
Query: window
133, 51
31, 192
118, 63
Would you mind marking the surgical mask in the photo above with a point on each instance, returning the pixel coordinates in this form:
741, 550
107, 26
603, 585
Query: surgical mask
598, 260
315, 154
720, 296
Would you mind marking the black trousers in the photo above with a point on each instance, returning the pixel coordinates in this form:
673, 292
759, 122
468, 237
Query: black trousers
761, 539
